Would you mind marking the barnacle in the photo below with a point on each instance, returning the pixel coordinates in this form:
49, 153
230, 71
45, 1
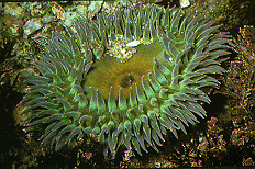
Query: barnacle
133, 103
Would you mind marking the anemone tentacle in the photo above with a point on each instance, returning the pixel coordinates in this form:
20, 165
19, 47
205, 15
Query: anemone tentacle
137, 110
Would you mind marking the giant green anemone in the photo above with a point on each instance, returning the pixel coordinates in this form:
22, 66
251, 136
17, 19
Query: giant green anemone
128, 77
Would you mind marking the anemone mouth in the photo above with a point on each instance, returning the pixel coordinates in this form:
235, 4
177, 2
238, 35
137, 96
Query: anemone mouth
127, 81
166, 58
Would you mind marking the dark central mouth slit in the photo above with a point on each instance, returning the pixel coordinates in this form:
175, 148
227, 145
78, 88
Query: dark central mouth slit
127, 81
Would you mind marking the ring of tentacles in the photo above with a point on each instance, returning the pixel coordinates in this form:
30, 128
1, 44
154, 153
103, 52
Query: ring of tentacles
128, 77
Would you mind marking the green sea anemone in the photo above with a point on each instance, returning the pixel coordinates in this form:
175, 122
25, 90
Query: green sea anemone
127, 77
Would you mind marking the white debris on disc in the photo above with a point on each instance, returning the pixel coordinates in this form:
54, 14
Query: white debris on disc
122, 48
184, 3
